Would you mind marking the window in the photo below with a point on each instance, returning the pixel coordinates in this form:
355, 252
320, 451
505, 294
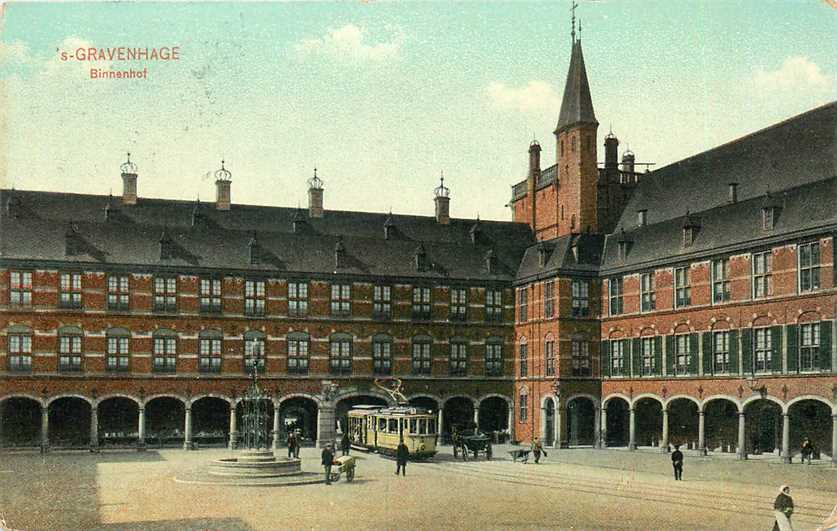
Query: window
548, 299
458, 304
254, 352
298, 353
340, 358
493, 304
581, 298
682, 356
524, 360
20, 352
614, 288
118, 292
524, 409
649, 363
762, 273
720, 280
809, 267
297, 299
382, 302
209, 354
20, 288
648, 292
458, 359
69, 350
720, 344
493, 358
69, 295
165, 352
421, 303
254, 297
210, 294
549, 355
382, 355
523, 304
764, 350
118, 353
617, 357
581, 358
809, 339
341, 300
165, 294
767, 218
682, 287
422, 361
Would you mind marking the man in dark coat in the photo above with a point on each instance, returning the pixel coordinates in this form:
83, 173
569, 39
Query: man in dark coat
537, 449
327, 460
345, 443
783, 509
291, 444
807, 450
677, 462
297, 442
402, 453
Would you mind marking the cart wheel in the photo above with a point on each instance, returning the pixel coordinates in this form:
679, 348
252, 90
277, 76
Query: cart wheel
350, 474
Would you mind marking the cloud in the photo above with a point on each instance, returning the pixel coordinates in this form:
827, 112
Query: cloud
796, 73
349, 42
534, 96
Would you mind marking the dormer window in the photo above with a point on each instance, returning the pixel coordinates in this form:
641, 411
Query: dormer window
641, 218
623, 249
339, 254
767, 218
254, 250
690, 230
421, 258
543, 255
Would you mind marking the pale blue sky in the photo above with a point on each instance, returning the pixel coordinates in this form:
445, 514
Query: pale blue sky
382, 96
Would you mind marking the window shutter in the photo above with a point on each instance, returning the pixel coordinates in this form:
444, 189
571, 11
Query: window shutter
693, 351
792, 348
776, 347
707, 353
747, 351
733, 351
825, 346
606, 365
658, 355
636, 356
671, 356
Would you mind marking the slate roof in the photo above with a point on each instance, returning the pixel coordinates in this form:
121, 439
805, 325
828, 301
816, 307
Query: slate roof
577, 105
797, 151
561, 258
40, 221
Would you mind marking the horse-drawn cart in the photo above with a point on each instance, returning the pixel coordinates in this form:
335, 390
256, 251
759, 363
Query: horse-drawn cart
474, 443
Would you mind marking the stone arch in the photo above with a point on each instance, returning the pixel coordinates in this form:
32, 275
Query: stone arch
596, 401
721, 414
683, 420
643, 396
810, 417
581, 419
648, 415
758, 397
108, 396
371, 392
165, 419
149, 398
809, 316
315, 398
52, 399
712, 398
20, 416
494, 395
117, 415
616, 408
493, 412
545, 398
611, 396
37, 399
682, 328
436, 398
617, 333
672, 398
201, 396
763, 423
831, 405
298, 412
458, 410
69, 424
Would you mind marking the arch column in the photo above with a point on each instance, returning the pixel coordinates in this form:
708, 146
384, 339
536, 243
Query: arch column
632, 428
44, 428
141, 429
664, 441
94, 429
786, 457
325, 424
477, 417
510, 421
702, 430
441, 417
187, 430
597, 426
834, 439
603, 427
560, 428
275, 427
233, 444
742, 439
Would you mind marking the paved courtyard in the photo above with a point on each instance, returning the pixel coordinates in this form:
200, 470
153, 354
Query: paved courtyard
571, 489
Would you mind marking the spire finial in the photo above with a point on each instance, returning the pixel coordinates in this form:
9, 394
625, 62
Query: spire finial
575, 5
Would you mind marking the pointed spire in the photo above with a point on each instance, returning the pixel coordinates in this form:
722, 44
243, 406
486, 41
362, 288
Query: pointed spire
577, 105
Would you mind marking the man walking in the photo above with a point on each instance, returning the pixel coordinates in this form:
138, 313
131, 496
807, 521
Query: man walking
537, 449
291, 444
807, 450
402, 453
327, 460
677, 462
345, 443
297, 442
783, 509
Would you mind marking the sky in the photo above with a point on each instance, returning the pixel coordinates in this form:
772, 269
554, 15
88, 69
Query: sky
382, 97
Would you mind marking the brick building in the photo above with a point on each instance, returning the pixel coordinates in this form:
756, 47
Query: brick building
692, 305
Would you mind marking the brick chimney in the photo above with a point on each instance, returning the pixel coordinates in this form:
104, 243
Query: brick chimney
532, 179
223, 194
442, 198
129, 182
315, 196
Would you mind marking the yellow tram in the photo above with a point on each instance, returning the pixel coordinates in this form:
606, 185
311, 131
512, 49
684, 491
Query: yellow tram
380, 429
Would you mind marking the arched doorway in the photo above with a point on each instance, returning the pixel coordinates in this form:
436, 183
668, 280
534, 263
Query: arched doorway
581, 420
299, 413
458, 412
548, 436
616, 425
493, 415
165, 420
425, 402
118, 421
721, 425
810, 419
20, 420
211, 421
69, 422
649, 421
341, 411
683, 423
764, 426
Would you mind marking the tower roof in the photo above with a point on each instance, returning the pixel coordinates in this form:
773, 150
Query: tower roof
577, 105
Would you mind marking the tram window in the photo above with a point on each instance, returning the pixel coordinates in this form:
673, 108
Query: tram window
431, 426
393, 426
382, 424
422, 426
413, 426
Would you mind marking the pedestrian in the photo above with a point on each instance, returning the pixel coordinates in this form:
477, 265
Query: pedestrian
537, 449
291, 444
488, 451
402, 453
783, 509
677, 462
297, 443
807, 450
345, 443
327, 461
